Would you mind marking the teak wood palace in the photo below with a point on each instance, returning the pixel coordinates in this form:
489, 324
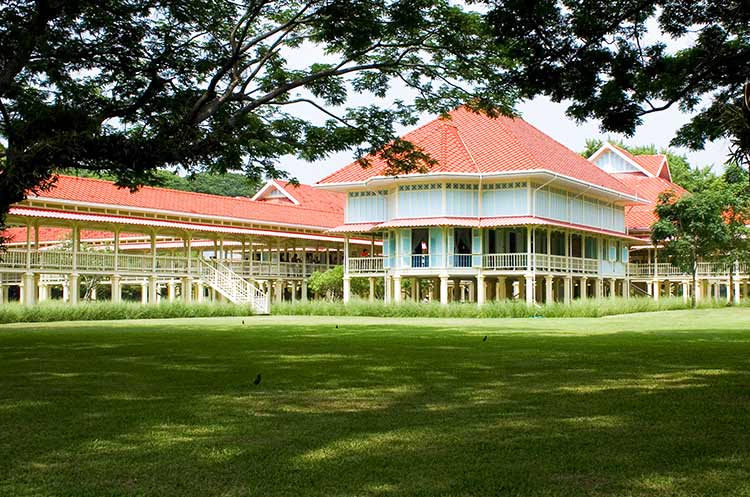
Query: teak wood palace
505, 212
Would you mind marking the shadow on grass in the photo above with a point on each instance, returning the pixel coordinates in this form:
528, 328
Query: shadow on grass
392, 411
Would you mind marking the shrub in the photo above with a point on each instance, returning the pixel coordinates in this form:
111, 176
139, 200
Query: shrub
95, 311
503, 309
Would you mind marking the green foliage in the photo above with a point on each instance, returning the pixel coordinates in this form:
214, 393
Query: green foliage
692, 228
98, 311
330, 284
503, 309
128, 88
225, 184
596, 54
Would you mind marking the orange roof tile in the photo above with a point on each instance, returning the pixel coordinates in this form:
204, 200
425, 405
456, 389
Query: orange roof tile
475, 143
641, 217
325, 212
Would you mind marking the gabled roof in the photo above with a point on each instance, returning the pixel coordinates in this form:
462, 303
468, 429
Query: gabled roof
475, 143
326, 213
641, 217
649, 164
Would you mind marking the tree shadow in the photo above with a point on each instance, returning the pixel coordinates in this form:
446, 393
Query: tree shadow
386, 411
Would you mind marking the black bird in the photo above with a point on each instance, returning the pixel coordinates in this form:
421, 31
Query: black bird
337, 327
256, 381
243, 321
485, 338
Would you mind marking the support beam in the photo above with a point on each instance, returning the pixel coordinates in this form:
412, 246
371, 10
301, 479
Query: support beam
73, 288
397, 288
549, 294
529, 288
116, 288
612, 288
584, 287
347, 289
187, 289
480, 289
568, 289
29, 289
500, 290
153, 290
444, 289
372, 289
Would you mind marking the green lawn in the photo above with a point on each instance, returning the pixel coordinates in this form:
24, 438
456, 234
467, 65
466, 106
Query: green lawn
646, 404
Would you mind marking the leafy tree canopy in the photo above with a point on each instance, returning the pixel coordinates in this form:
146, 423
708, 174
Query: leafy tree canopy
125, 88
226, 184
694, 179
597, 55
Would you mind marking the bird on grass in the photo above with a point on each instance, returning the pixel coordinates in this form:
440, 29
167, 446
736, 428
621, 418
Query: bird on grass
485, 338
256, 381
337, 327
243, 321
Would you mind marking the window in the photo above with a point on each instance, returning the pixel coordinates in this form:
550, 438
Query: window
420, 239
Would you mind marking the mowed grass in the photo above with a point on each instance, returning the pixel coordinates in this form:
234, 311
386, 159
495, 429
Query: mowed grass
640, 405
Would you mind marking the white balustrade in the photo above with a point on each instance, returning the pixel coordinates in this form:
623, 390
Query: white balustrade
367, 264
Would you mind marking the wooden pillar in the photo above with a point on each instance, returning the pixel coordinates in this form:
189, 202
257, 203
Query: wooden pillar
549, 295
116, 288
397, 288
529, 288
480, 289
444, 289
500, 290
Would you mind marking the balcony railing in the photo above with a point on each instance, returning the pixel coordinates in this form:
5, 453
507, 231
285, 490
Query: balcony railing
508, 262
362, 265
665, 270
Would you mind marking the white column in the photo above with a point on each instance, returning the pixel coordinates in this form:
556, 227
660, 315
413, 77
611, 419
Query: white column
304, 290
278, 290
116, 290
153, 290
626, 288
599, 288
414, 290
293, 285
73, 288
397, 288
568, 289
170, 290
144, 292
549, 294
584, 291
685, 291
29, 289
656, 289
444, 289
372, 288
736, 282
612, 288
347, 288
529, 287
3, 294
480, 289
187, 289
500, 292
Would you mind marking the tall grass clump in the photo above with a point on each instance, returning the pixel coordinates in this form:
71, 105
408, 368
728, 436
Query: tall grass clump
97, 311
502, 309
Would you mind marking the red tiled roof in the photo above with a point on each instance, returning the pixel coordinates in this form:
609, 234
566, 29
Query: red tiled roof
650, 162
474, 143
53, 234
159, 223
324, 213
313, 198
641, 217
